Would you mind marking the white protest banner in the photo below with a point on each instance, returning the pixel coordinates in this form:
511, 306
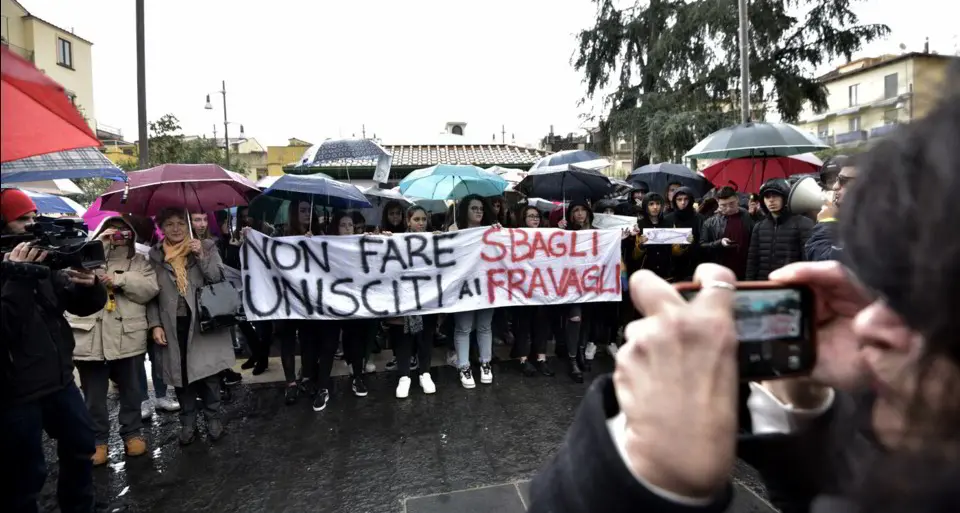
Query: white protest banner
369, 276
667, 235
611, 221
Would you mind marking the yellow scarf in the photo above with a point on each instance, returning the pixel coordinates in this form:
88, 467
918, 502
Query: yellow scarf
176, 256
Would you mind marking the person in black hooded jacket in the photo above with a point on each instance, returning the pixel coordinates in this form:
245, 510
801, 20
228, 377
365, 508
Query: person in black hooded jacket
779, 238
636, 254
686, 257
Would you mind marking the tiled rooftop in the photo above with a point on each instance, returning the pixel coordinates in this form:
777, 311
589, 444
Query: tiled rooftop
426, 155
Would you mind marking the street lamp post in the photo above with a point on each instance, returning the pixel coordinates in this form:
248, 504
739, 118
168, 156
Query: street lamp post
742, 7
226, 133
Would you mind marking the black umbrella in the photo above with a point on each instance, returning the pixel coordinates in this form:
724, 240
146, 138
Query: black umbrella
560, 183
659, 176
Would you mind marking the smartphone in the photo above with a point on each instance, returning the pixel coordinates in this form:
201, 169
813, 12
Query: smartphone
122, 235
775, 327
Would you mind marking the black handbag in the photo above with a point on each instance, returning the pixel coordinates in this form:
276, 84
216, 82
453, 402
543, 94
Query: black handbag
219, 305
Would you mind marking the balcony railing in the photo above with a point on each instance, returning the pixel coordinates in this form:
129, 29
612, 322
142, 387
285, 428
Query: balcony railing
851, 137
882, 130
22, 52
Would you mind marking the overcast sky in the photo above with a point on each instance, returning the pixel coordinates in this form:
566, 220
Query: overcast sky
316, 69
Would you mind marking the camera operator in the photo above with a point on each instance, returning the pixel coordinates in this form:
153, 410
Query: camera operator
37, 389
874, 428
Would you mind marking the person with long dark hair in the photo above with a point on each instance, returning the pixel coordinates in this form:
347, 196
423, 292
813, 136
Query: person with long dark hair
531, 322
392, 220
577, 216
473, 211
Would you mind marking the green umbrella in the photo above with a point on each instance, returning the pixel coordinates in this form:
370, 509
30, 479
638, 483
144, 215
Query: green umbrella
756, 140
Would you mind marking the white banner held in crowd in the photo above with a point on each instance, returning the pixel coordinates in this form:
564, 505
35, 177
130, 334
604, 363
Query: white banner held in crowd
370, 276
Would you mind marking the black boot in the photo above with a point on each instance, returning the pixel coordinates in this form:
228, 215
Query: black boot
250, 363
260, 366
582, 361
576, 374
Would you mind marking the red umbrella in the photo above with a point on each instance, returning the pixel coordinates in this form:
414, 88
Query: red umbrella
37, 117
748, 174
193, 187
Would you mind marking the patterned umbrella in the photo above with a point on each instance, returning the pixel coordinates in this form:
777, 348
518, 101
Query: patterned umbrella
348, 151
756, 140
79, 163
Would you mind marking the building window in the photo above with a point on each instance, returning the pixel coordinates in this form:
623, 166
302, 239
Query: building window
457, 130
823, 130
854, 124
64, 53
890, 86
890, 116
854, 96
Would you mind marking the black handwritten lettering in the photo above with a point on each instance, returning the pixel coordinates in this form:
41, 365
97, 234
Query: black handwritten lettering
439, 291
248, 291
392, 255
421, 245
465, 290
364, 253
275, 255
323, 262
261, 253
416, 287
301, 296
438, 250
366, 301
476, 283
396, 296
335, 288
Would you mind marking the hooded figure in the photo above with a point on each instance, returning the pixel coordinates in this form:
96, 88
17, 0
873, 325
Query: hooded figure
570, 216
637, 254
686, 257
779, 238
109, 341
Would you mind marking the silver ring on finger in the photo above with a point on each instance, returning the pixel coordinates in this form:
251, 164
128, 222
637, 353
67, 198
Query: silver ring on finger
717, 284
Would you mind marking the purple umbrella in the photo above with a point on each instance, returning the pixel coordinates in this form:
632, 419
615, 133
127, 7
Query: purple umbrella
192, 187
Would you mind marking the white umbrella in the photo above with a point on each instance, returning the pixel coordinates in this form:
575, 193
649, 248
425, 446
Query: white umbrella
378, 196
267, 182
59, 187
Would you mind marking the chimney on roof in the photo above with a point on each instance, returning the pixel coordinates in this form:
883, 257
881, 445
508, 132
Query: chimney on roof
926, 45
551, 130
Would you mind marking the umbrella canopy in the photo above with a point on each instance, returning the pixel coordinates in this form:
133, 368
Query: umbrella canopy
67, 164
542, 204
566, 157
51, 204
510, 175
659, 176
319, 190
756, 140
749, 174
566, 181
379, 197
37, 116
60, 187
448, 181
348, 151
193, 187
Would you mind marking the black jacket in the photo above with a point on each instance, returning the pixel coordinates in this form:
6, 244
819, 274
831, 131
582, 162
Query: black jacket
37, 343
822, 244
714, 228
812, 472
777, 241
686, 257
654, 257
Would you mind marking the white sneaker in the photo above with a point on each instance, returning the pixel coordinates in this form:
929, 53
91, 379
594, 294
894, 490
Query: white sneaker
486, 373
466, 378
370, 367
452, 359
590, 351
403, 387
426, 383
612, 349
167, 404
146, 410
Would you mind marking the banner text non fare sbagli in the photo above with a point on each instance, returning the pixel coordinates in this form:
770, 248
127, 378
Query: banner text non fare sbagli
370, 276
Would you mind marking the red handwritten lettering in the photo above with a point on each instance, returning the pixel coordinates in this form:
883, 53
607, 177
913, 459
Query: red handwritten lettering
519, 239
536, 281
596, 242
493, 283
515, 281
557, 249
573, 246
592, 279
490, 242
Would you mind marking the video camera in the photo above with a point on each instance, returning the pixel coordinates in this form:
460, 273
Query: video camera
65, 242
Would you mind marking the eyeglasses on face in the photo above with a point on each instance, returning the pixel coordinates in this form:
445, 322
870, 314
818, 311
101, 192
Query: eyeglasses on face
476, 209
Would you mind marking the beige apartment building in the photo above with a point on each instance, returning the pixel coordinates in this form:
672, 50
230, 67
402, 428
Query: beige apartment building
62, 55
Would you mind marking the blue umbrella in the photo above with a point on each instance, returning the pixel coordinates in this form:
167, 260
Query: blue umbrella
79, 163
448, 181
659, 176
320, 190
51, 204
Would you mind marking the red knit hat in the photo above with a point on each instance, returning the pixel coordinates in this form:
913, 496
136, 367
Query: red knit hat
15, 204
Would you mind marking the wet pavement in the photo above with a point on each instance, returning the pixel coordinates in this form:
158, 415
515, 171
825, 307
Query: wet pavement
457, 450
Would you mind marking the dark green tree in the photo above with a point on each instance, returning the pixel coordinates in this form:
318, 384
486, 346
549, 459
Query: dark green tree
674, 65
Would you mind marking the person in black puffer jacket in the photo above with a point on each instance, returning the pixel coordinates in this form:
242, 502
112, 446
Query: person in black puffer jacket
779, 238
686, 257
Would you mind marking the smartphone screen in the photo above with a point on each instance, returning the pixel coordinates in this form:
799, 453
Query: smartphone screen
775, 330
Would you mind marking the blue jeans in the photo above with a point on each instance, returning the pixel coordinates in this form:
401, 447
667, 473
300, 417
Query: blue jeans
156, 372
64, 417
465, 322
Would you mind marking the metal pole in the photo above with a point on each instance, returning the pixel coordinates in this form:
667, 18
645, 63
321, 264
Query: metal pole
142, 90
744, 62
226, 133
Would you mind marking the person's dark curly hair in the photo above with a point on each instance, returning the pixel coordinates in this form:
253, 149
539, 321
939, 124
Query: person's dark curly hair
463, 209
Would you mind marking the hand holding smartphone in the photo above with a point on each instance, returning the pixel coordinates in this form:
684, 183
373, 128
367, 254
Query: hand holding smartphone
775, 328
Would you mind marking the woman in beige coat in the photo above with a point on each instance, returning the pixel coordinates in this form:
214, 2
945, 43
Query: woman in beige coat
110, 341
191, 360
